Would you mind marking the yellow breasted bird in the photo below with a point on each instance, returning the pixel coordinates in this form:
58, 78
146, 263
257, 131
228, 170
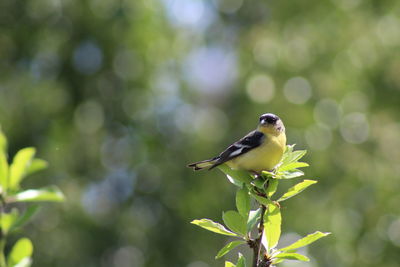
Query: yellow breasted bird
259, 150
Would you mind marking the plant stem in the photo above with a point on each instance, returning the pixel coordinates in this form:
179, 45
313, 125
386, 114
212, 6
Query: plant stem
257, 247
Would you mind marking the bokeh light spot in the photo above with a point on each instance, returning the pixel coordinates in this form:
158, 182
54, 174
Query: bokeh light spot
260, 88
355, 128
297, 90
318, 137
327, 112
89, 117
87, 58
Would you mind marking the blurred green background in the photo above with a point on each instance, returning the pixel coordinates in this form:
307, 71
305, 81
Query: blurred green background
119, 96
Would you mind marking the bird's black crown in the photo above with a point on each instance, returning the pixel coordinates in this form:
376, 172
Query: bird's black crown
269, 118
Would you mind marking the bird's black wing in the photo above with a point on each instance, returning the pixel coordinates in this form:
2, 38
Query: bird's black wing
247, 143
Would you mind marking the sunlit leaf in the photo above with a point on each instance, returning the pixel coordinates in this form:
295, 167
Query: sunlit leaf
254, 216
3, 142
296, 189
213, 227
25, 262
8, 219
272, 187
259, 182
243, 202
239, 177
22, 249
36, 165
293, 165
292, 256
19, 166
51, 194
241, 261
229, 264
229, 247
291, 174
3, 171
234, 221
305, 241
272, 227
262, 200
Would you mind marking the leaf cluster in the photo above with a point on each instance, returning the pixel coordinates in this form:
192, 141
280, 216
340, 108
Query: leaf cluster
23, 164
267, 217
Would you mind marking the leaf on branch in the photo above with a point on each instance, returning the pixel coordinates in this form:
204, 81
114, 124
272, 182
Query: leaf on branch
242, 261
305, 241
262, 200
254, 216
293, 165
243, 202
24, 218
229, 247
235, 222
272, 187
292, 256
229, 264
20, 253
3, 171
36, 165
7, 220
213, 227
272, 227
51, 193
236, 177
296, 189
18, 169
290, 174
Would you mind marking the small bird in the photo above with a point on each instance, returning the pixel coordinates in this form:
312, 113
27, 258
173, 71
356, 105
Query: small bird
260, 150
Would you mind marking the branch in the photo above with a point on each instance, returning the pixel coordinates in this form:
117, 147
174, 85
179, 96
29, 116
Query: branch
257, 242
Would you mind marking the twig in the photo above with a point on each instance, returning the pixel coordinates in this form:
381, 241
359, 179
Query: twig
257, 242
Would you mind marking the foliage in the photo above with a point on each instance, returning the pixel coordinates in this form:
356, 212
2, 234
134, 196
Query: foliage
262, 189
12, 219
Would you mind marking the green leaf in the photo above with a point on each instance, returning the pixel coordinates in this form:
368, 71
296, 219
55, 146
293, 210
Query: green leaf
292, 256
51, 194
262, 200
235, 176
296, 189
293, 156
7, 220
36, 165
24, 218
272, 227
3, 172
293, 165
20, 165
254, 216
229, 264
259, 182
305, 241
290, 174
3, 142
22, 249
25, 262
213, 227
272, 187
229, 247
243, 202
242, 261
235, 222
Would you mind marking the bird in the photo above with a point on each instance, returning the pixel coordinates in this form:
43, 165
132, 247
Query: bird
260, 150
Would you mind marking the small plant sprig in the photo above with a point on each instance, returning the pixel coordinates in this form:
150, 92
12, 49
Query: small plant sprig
266, 218
12, 219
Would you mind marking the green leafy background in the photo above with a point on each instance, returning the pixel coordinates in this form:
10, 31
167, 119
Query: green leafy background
118, 96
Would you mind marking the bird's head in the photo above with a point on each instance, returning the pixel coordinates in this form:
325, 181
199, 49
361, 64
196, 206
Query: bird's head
270, 123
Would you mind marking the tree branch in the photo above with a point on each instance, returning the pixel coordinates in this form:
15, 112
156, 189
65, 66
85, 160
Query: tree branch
257, 247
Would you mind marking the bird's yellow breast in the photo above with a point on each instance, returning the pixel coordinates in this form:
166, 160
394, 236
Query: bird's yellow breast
264, 157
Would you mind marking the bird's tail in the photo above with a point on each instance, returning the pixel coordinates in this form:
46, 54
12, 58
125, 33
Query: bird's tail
202, 164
